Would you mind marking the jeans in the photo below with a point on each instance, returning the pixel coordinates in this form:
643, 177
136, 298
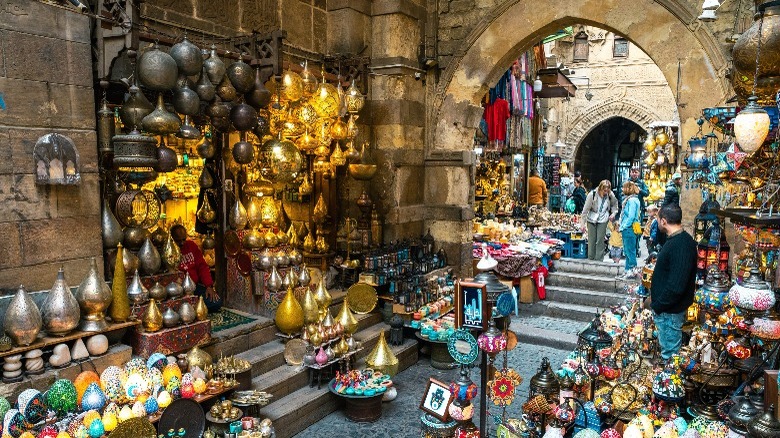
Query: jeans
213, 306
596, 233
629, 247
669, 333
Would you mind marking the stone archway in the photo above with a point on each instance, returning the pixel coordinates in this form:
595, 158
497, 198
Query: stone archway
666, 30
597, 114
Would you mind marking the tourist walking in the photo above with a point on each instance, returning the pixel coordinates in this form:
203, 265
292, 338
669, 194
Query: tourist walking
674, 280
537, 190
578, 195
629, 225
643, 191
600, 206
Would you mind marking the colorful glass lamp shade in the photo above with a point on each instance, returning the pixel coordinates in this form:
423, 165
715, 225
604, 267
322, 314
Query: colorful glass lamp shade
751, 126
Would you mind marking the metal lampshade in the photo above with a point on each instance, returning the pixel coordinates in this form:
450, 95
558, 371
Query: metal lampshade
594, 336
710, 4
544, 383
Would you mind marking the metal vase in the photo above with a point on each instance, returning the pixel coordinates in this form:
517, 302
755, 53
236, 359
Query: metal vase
120, 304
130, 262
171, 254
157, 70
149, 258
152, 318
205, 88
170, 318
22, 320
274, 282
214, 67
201, 311
136, 291
174, 290
187, 56
161, 121
158, 292
238, 216
93, 296
205, 180
188, 285
304, 277
112, 230
187, 312
60, 310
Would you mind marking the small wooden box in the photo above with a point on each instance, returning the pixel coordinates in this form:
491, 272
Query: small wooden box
528, 293
771, 395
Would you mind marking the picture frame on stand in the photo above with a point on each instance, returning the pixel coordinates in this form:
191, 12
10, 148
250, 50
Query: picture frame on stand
471, 305
436, 399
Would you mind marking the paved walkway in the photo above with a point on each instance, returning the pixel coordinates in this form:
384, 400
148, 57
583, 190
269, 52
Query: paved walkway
401, 417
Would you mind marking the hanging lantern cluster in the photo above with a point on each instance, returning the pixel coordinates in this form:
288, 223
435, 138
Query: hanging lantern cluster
659, 156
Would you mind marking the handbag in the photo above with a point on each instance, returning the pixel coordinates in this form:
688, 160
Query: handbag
637, 228
569, 206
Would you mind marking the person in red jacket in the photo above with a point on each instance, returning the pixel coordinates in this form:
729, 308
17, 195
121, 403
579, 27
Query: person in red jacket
193, 262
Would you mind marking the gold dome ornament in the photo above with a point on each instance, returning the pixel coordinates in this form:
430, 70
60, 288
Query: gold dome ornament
269, 214
292, 86
354, 100
346, 318
152, 318
321, 245
254, 213
325, 100
305, 114
661, 139
305, 188
171, 253
201, 311
352, 129
311, 311
382, 358
289, 314
649, 144
339, 130
199, 358
322, 296
306, 143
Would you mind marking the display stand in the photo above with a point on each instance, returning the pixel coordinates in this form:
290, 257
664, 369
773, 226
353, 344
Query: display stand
170, 340
359, 408
316, 370
440, 354
49, 341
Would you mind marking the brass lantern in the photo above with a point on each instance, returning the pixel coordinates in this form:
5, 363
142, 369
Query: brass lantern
326, 100
354, 99
269, 214
544, 383
292, 86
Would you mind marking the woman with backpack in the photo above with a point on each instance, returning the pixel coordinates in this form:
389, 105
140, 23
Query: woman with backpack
600, 205
630, 227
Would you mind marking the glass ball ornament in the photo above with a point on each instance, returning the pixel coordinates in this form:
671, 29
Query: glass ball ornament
306, 143
339, 130
280, 161
305, 114
492, 341
31, 405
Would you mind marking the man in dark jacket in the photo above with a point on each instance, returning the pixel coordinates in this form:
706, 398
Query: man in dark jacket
674, 280
672, 194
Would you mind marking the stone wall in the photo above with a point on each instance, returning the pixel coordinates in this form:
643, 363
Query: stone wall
45, 87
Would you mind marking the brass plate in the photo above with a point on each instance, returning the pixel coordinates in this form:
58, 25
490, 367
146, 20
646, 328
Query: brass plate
135, 428
511, 340
361, 298
294, 350
232, 243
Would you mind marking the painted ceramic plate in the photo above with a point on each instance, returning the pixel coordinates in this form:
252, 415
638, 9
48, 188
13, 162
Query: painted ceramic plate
463, 347
294, 350
505, 304
361, 298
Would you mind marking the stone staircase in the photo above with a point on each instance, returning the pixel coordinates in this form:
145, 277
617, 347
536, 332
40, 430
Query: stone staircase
295, 405
575, 291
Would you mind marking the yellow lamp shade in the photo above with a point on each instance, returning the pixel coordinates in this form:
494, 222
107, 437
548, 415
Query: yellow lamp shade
292, 86
326, 100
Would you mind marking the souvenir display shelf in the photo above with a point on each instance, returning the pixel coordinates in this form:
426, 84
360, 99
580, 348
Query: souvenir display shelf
200, 398
747, 216
48, 341
360, 408
171, 340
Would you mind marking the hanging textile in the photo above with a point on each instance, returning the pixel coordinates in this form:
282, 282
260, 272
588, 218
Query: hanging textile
496, 115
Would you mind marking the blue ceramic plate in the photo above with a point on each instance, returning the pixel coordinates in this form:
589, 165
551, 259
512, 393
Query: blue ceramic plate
505, 304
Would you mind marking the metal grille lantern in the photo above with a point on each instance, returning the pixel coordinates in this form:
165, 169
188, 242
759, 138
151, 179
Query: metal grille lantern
544, 383
594, 336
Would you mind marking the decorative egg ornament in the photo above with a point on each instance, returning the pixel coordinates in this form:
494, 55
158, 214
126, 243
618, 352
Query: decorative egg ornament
89, 417
62, 397
151, 406
93, 398
109, 421
96, 429
82, 381
171, 370
31, 405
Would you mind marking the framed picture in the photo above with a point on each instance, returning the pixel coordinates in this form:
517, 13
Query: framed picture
437, 399
471, 306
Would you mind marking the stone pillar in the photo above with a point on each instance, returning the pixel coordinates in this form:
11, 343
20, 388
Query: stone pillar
45, 86
396, 111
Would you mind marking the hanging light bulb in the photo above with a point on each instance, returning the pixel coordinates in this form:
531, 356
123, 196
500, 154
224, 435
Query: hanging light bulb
309, 81
751, 126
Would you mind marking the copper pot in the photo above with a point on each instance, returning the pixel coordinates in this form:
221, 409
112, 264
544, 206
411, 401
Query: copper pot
214, 67
157, 70
187, 57
161, 121
243, 116
186, 101
241, 76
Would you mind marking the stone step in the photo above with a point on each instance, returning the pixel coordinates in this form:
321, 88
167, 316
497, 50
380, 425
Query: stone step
531, 335
285, 379
601, 283
554, 309
584, 296
305, 406
270, 355
581, 266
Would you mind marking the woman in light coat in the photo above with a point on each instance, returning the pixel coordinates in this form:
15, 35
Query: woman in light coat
600, 206
629, 214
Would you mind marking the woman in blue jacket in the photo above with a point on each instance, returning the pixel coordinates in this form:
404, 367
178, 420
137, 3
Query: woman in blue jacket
629, 215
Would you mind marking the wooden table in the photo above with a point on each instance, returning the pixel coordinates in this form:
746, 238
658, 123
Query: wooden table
49, 341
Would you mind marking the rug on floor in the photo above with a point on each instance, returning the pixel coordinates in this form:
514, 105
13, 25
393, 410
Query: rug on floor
225, 319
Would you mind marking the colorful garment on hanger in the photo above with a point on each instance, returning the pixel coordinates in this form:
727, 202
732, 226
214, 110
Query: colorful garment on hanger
496, 115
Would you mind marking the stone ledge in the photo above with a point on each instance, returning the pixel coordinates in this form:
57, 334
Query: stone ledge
362, 6
401, 112
405, 7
